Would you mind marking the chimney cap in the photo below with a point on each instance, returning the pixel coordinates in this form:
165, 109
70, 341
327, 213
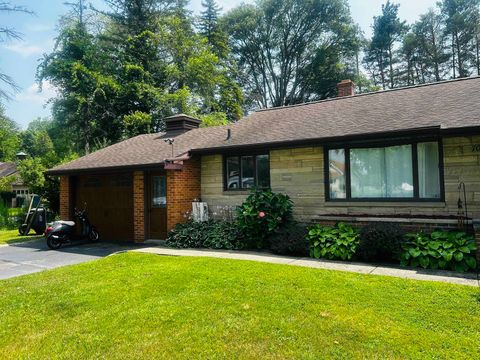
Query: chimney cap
346, 81
182, 117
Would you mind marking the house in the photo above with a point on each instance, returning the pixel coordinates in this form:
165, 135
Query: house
19, 193
397, 155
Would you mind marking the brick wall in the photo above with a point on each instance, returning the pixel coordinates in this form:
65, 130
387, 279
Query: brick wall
139, 206
183, 186
65, 198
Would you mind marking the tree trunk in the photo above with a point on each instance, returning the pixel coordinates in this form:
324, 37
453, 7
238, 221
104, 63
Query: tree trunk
392, 83
358, 69
477, 39
453, 57
436, 65
461, 70
382, 71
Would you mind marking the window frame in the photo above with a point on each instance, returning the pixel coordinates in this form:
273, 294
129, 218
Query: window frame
239, 156
383, 144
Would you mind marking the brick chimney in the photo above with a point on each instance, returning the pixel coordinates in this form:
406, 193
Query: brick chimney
179, 124
346, 88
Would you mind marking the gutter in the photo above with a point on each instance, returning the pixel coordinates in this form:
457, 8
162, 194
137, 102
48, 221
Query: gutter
120, 168
107, 169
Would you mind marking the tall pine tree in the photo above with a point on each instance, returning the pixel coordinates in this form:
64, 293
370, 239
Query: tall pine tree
461, 19
388, 30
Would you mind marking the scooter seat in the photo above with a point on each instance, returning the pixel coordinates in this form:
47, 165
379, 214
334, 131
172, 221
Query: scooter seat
64, 222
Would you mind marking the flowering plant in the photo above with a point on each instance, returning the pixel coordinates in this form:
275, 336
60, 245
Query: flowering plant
261, 214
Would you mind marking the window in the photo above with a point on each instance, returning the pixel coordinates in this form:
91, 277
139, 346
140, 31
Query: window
337, 174
382, 172
428, 174
159, 191
398, 172
246, 172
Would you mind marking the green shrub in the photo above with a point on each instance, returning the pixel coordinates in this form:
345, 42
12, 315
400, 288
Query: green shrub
380, 242
215, 234
290, 240
7, 219
222, 235
261, 214
337, 242
453, 250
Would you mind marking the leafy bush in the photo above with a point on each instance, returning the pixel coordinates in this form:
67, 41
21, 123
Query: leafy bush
380, 242
7, 220
290, 240
261, 214
215, 234
337, 242
453, 250
222, 235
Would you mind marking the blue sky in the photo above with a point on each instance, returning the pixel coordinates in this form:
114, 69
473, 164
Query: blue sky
19, 59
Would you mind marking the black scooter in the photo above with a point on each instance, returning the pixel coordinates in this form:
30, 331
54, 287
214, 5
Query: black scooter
63, 232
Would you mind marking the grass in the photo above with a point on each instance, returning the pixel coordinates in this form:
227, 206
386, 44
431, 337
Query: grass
140, 306
12, 236
15, 211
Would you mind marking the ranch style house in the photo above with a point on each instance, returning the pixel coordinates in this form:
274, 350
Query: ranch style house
409, 155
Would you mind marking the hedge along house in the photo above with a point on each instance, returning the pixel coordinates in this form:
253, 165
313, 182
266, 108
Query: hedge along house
397, 155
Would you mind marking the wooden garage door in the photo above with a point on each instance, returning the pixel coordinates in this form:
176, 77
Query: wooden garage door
109, 201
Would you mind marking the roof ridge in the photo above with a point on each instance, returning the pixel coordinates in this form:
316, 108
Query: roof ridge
370, 93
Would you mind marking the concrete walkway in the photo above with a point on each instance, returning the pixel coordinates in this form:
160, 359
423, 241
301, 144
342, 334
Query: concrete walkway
470, 279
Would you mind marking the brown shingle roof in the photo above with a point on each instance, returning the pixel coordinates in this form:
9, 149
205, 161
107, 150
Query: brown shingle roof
7, 169
445, 105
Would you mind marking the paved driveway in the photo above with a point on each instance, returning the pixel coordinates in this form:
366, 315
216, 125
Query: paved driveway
29, 257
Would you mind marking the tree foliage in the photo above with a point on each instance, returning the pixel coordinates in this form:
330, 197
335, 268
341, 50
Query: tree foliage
280, 46
6, 34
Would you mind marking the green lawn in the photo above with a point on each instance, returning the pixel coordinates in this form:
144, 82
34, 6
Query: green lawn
12, 236
140, 306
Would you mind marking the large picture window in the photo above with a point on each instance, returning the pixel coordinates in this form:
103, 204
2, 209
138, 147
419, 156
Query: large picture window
397, 172
246, 172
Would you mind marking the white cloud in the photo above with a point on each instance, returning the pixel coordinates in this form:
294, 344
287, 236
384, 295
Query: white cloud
24, 49
32, 94
39, 27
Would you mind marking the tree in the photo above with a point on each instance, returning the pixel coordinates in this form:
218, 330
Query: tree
167, 67
462, 21
274, 42
84, 103
199, 82
431, 42
211, 29
409, 51
9, 137
388, 30
7, 33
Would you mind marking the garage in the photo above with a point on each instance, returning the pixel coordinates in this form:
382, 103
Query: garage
109, 200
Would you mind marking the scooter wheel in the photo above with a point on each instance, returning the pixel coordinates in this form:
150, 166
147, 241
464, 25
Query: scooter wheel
94, 236
53, 243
